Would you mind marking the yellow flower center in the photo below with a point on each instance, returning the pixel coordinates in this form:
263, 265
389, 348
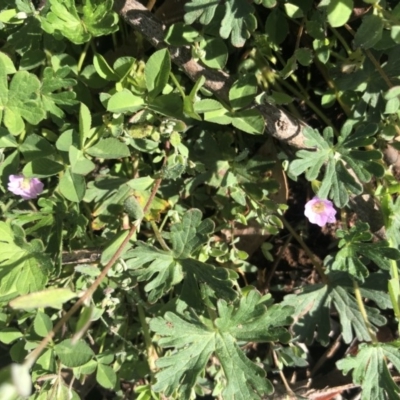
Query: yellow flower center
25, 184
318, 207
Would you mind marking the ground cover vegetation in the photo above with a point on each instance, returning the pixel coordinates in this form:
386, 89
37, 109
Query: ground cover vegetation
199, 199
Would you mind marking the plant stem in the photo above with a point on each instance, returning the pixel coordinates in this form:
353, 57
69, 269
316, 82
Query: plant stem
361, 307
83, 55
177, 84
159, 237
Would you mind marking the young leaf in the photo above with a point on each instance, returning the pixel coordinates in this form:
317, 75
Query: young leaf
371, 372
196, 339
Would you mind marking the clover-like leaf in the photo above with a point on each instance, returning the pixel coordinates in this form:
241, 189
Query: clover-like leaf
195, 339
356, 248
371, 372
238, 20
203, 10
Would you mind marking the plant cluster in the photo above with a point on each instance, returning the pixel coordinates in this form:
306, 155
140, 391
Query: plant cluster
141, 145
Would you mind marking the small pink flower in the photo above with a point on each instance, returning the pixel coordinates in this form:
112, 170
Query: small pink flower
27, 188
320, 211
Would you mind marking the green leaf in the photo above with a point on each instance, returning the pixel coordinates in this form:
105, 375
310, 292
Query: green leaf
72, 186
85, 122
124, 101
276, 26
32, 59
9, 335
369, 32
24, 267
79, 163
99, 17
35, 147
64, 19
21, 101
106, 376
371, 372
164, 269
192, 232
250, 121
239, 22
203, 10
156, 72
109, 148
339, 12
354, 254
337, 181
42, 324
216, 52
42, 168
206, 105
304, 56
52, 95
180, 34
313, 307
195, 340
103, 69
8, 64
73, 355
243, 91
51, 297
112, 247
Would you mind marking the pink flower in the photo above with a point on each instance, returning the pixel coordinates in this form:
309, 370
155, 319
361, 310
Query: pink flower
320, 211
27, 188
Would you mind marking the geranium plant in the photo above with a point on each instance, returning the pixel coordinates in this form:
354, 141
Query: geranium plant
159, 162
